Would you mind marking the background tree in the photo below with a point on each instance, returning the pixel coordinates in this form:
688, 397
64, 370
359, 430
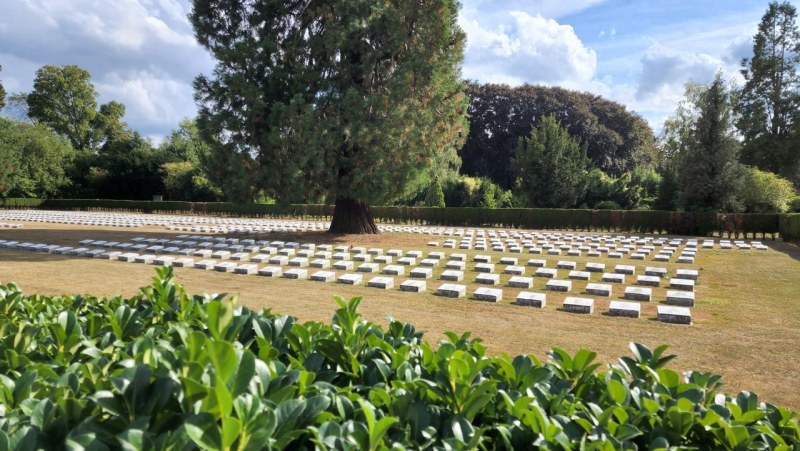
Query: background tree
769, 101
435, 194
2, 93
617, 140
550, 167
32, 160
765, 192
708, 168
64, 99
350, 100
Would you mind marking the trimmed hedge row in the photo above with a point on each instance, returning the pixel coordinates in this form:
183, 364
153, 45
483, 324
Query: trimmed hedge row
638, 221
790, 228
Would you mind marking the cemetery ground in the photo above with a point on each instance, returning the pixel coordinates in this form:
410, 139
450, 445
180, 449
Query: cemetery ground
746, 323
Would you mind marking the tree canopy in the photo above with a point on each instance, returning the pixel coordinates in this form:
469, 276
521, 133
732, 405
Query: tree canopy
550, 167
2, 93
769, 105
617, 140
351, 100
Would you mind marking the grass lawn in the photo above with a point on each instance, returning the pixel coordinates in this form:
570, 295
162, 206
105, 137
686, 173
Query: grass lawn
746, 320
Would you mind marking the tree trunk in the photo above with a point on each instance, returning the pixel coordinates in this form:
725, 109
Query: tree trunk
352, 216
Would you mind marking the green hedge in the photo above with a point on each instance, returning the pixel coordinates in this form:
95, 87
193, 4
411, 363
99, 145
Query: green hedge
790, 227
622, 221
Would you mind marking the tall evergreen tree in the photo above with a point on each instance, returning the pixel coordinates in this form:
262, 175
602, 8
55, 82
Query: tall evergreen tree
2, 93
708, 168
348, 99
769, 105
550, 167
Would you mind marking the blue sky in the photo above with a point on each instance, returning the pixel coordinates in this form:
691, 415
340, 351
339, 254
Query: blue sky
637, 52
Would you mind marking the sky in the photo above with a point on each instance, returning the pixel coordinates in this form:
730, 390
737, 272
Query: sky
636, 52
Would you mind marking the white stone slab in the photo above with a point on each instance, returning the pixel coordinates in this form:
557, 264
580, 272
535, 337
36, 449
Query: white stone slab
421, 273
546, 272
536, 263
205, 264
320, 263
639, 294
579, 275
146, 258
299, 262
625, 269
270, 271
415, 286
488, 279
648, 281
225, 266
296, 273
563, 264
407, 261
323, 276
531, 299
676, 315
368, 267
559, 285
364, 258
598, 289
655, 271
281, 260
681, 284
681, 298
452, 275
343, 265
488, 294
482, 258
246, 269
578, 305
514, 270
350, 279
689, 274
451, 290
595, 267
394, 270
520, 282
385, 283
184, 262
628, 309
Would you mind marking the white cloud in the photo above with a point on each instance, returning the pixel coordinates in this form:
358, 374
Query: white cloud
527, 48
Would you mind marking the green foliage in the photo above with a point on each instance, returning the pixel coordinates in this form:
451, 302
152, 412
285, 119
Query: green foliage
708, 170
790, 228
769, 101
184, 181
550, 167
475, 192
616, 139
338, 99
765, 192
2, 93
165, 370
32, 160
435, 195
636, 189
64, 99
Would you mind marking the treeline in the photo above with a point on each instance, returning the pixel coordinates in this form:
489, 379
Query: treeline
726, 148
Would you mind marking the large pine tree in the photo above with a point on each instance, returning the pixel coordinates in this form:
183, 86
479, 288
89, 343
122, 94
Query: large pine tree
708, 170
351, 100
769, 106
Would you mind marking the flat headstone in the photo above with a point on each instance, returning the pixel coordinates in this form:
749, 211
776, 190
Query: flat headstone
685, 259
295, 273
286, 251
681, 298
205, 264
489, 294
394, 252
676, 315
639, 294
579, 275
429, 262
520, 282
222, 255
528, 298
364, 258
246, 269
595, 267
183, 262
613, 277
662, 258
482, 258
407, 261
279, 260
350, 279
451, 290
127, 257
323, 276
421, 273
204, 253
546, 272
484, 267
514, 270
689, 274
341, 256
415, 286
383, 259
625, 269
414, 254
368, 267
343, 265
536, 263
458, 257
681, 284
394, 270
648, 281
452, 275
488, 279
559, 285
320, 263
457, 265
385, 283
566, 265
146, 258
163, 260
508, 261
323, 255
621, 308
598, 289
299, 262
270, 271
655, 271
578, 305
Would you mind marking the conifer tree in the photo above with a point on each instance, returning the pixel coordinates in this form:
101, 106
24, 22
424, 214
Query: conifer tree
351, 100
708, 168
550, 167
769, 105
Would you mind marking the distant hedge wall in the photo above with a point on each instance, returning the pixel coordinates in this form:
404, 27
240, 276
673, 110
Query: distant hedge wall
637, 221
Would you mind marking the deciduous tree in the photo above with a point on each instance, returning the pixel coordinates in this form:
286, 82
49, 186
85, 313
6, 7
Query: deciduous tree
352, 100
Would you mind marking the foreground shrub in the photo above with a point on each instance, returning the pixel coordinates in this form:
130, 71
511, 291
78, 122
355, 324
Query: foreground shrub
165, 370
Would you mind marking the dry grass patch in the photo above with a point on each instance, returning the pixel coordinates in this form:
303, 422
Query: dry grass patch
747, 324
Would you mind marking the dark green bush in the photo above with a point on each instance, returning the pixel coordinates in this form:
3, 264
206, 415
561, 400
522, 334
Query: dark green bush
165, 370
790, 228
